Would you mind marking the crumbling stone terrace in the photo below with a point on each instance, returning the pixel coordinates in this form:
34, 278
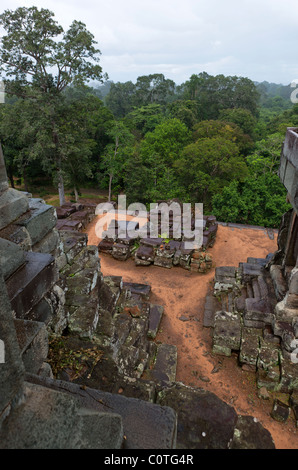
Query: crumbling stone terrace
166, 250
51, 285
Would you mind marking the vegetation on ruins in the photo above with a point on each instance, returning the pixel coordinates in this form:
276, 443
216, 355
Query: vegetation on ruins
212, 139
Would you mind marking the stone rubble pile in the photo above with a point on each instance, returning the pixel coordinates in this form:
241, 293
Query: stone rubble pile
245, 313
163, 250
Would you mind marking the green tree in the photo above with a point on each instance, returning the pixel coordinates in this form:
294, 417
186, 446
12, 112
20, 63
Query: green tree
226, 130
213, 94
256, 201
39, 60
241, 117
154, 88
115, 154
166, 141
184, 110
144, 119
120, 99
208, 165
259, 199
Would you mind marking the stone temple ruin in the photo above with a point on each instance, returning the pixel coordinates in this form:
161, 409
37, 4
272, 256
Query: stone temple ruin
253, 308
166, 250
113, 386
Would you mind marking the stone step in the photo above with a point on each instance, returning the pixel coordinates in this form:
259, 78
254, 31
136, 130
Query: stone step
73, 243
206, 422
256, 289
110, 289
251, 270
145, 425
143, 290
258, 261
250, 292
33, 342
84, 316
12, 257
227, 302
258, 313
50, 418
39, 220
263, 287
13, 204
31, 282
165, 365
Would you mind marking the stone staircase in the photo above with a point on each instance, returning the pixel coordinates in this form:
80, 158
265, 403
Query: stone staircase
242, 311
129, 323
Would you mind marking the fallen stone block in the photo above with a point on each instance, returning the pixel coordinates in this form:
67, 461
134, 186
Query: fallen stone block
144, 256
83, 321
143, 290
250, 434
164, 258
120, 251
250, 343
225, 274
105, 246
64, 212
71, 225
155, 316
269, 378
280, 411
227, 333
204, 421
269, 355
294, 406
289, 375
164, 368
73, 243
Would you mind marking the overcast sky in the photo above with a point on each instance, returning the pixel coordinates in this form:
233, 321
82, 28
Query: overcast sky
257, 39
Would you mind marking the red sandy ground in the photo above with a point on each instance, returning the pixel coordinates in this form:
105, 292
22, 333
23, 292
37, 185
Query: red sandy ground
183, 293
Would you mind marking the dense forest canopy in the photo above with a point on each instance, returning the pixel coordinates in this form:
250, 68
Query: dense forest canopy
213, 139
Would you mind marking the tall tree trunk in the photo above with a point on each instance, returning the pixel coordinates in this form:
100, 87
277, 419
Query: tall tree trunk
25, 179
10, 176
110, 186
76, 194
61, 188
58, 167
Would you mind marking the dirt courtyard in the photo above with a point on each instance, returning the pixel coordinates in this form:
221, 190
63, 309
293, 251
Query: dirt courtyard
183, 296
